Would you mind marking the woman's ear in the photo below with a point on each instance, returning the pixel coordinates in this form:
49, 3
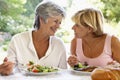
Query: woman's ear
42, 20
90, 29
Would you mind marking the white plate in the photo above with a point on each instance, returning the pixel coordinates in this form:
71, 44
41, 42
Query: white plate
80, 72
38, 74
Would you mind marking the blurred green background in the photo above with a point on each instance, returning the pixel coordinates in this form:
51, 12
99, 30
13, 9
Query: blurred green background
18, 15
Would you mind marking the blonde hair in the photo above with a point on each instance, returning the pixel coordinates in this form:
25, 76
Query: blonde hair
90, 18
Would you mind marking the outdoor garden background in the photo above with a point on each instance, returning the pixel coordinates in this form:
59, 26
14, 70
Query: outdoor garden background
18, 15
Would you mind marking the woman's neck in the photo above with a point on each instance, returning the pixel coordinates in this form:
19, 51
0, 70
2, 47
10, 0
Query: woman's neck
91, 38
40, 36
88, 37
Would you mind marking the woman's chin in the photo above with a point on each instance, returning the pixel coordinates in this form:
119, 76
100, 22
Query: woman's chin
77, 37
52, 34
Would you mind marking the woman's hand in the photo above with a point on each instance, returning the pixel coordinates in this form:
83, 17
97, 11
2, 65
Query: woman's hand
113, 63
72, 60
7, 67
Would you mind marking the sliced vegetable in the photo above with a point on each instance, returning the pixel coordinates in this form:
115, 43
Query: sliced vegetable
39, 68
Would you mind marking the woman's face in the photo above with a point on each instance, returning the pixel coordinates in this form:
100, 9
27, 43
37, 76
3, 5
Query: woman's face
80, 31
52, 24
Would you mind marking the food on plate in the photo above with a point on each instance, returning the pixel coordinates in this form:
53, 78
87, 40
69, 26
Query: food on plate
87, 69
79, 65
31, 67
30, 63
106, 74
84, 67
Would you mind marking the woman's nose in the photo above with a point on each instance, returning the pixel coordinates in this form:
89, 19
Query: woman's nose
57, 25
73, 27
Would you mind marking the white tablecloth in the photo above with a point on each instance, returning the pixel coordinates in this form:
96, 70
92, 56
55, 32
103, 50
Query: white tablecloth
62, 75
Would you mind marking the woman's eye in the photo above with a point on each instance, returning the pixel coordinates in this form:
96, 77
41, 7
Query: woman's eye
76, 25
57, 22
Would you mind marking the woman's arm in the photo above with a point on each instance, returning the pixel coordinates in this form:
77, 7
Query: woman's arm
73, 47
9, 62
115, 45
72, 60
63, 62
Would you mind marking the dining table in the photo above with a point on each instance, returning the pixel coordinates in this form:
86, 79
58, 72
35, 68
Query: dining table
63, 74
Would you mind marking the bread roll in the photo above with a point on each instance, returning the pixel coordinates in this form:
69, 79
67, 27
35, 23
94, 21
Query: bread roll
105, 74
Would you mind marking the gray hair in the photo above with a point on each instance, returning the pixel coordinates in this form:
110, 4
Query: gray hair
45, 10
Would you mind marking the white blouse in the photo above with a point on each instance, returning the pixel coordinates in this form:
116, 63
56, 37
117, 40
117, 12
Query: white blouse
21, 50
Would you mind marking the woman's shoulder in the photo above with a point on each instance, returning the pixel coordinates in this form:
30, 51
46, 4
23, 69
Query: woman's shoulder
57, 40
75, 40
115, 40
22, 35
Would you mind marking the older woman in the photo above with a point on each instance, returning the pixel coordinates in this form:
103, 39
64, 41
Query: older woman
91, 45
39, 45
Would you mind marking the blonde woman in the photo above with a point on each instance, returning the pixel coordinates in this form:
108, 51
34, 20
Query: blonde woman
91, 45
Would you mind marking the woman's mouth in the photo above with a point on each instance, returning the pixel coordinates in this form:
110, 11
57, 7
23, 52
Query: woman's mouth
53, 29
75, 33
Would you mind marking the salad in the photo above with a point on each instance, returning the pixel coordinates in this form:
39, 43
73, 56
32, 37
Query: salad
80, 65
31, 67
84, 67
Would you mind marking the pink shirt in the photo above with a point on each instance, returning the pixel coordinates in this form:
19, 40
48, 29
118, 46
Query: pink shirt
102, 60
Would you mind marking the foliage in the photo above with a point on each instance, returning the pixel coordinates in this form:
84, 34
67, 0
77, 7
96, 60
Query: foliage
111, 10
10, 12
4, 45
17, 15
30, 7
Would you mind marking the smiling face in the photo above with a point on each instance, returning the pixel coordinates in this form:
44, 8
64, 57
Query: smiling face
80, 31
51, 25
